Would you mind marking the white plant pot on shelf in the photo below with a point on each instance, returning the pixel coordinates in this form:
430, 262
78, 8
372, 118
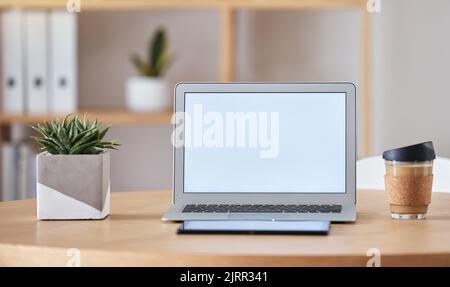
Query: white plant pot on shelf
73, 186
145, 94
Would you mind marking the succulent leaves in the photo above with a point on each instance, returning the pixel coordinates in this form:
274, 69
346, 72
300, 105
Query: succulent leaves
72, 136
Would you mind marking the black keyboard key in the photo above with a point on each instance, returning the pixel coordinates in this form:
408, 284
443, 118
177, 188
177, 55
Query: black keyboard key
261, 208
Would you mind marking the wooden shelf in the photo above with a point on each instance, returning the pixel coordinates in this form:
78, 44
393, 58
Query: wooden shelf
148, 4
116, 117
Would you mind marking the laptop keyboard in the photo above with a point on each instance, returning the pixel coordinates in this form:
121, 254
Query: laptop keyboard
260, 208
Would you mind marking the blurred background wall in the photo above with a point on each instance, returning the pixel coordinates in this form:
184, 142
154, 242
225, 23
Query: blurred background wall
271, 46
410, 58
106, 40
410, 61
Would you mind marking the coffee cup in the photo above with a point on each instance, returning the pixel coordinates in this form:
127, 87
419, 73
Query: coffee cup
409, 180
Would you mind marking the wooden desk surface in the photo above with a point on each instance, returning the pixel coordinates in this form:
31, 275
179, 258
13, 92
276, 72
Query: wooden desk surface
134, 235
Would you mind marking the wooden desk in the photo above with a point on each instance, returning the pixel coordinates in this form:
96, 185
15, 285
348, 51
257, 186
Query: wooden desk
135, 235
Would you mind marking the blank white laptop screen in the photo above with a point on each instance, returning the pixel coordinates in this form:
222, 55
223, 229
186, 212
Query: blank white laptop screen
265, 143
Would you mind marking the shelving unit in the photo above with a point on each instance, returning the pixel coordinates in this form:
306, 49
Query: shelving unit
117, 117
145, 4
227, 10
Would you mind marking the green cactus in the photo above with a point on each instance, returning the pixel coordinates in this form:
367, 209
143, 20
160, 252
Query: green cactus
158, 58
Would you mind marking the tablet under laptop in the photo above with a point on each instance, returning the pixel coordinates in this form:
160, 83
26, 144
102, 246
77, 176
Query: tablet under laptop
254, 227
257, 151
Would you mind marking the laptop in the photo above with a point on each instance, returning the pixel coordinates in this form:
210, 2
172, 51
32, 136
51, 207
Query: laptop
264, 151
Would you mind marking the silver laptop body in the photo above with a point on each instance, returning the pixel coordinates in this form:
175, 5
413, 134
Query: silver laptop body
191, 201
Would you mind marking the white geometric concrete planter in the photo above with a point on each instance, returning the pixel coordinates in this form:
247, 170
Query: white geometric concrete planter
73, 186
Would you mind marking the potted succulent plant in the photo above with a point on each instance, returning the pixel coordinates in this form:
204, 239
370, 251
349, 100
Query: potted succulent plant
148, 91
73, 172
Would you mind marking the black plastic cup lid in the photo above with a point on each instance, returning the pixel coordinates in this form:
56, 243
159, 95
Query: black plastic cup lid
418, 152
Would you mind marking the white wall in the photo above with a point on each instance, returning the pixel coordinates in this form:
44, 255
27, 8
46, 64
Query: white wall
411, 57
411, 74
271, 46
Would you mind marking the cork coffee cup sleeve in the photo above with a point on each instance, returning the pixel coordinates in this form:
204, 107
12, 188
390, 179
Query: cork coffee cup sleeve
409, 190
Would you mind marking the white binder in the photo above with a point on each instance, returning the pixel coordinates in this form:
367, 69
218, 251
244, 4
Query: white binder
9, 158
63, 63
36, 62
12, 56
